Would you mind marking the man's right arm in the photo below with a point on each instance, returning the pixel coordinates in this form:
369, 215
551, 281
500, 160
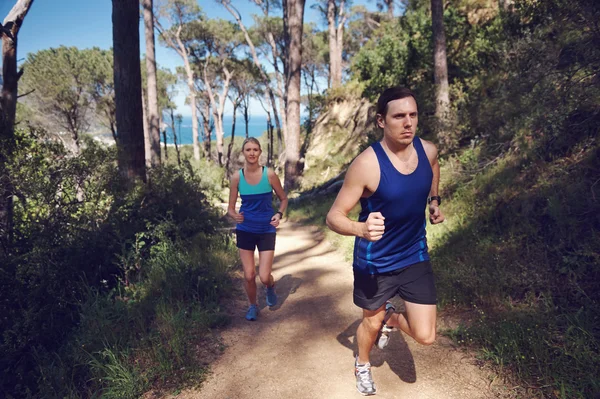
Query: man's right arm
350, 193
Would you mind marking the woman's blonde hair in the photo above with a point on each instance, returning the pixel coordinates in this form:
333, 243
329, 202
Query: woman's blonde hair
251, 140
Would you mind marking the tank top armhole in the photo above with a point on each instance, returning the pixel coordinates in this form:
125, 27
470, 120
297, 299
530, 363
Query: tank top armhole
421, 152
242, 177
265, 177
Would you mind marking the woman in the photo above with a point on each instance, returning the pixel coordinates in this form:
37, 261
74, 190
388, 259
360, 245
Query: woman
256, 222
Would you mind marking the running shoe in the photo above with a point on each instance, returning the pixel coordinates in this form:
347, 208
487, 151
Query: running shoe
383, 337
271, 296
364, 379
252, 313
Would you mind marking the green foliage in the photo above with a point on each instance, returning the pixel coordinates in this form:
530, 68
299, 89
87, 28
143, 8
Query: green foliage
98, 270
350, 91
65, 83
381, 63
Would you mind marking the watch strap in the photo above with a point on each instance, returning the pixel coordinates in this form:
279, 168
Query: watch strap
435, 198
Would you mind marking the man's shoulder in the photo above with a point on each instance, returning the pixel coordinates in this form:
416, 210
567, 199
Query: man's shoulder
365, 165
430, 149
366, 158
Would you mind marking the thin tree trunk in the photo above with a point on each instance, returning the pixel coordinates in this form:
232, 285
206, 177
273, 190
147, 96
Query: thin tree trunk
153, 118
179, 47
192, 96
264, 76
270, 136
147, 139
340, 40
246, 118
112, 126
219, 108
8, 109
230, 147
390, 8
331, 25
207, 130
292, 151
442, 92
164, 133
128, 88
175, 137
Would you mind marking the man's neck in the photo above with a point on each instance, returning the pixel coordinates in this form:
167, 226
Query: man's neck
397, 148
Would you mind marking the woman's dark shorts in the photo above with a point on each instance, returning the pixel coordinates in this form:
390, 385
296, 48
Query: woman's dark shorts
251, 241
414, 283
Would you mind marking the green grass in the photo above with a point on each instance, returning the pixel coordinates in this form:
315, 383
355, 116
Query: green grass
521, 245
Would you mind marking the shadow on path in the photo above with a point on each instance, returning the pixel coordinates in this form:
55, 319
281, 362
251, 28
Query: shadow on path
396, 354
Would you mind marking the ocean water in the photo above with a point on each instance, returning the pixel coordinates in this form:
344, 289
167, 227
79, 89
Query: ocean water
257, 125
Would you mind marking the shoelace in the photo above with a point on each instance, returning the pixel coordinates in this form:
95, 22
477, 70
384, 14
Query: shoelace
364, 373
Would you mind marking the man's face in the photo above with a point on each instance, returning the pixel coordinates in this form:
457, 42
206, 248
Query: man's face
400, 122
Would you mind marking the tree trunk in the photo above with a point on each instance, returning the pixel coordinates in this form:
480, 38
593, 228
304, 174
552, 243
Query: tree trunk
128, 88
218, 109
270, 137
153, 118
8, 109
264, 76
192, 88
177, 44
340, 41
246, 118
390, 8
147, 140
230, 147
292, 148
442, 93
164, 133
175, 137
207, 131
333, 78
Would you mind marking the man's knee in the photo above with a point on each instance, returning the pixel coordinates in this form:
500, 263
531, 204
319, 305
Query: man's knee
425, 336
373, 323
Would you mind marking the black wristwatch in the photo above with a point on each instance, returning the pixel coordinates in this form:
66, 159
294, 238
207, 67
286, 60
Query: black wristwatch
435, 198
280, 214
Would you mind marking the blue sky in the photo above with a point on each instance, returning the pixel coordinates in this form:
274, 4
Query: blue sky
87, 23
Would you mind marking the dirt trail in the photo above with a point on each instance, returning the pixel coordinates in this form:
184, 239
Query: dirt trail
303, 348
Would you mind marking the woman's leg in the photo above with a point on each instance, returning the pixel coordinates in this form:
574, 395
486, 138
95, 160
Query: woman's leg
265, 266
247, 258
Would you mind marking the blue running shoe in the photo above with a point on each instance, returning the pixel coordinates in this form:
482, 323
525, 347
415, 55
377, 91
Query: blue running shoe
271, 296
252, 313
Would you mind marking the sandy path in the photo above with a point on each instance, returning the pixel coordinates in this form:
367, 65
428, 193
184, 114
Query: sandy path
304, 347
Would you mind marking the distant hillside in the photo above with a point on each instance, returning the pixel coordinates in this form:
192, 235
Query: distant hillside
338, 135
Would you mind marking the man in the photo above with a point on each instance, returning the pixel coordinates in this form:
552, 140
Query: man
394, 180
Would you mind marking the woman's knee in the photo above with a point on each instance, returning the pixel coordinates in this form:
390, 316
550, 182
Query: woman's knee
266, 280
250, 276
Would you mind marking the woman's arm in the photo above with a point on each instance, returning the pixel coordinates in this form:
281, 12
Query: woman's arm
283, 199
233, 195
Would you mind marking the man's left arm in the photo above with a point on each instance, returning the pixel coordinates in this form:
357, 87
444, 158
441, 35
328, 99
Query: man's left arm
435, 214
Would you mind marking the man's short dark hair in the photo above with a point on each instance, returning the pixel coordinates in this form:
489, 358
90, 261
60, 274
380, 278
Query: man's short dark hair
391, 94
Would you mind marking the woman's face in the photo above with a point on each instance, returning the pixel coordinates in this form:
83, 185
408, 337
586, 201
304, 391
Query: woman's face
252, 152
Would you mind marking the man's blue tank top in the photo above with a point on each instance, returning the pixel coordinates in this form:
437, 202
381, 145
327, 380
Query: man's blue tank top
402, 200
257, 205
